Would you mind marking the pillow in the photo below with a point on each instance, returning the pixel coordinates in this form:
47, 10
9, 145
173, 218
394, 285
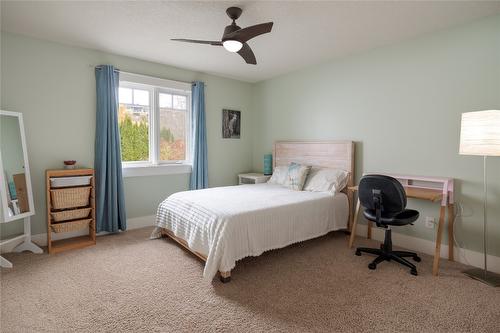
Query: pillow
297, 175
279, 176
326, 179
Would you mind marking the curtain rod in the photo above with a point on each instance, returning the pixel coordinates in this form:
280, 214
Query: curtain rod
154, 77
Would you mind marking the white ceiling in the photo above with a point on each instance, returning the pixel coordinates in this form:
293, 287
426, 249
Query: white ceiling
304, 32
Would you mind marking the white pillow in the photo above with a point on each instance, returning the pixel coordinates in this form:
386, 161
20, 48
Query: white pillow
326, 179
280, 175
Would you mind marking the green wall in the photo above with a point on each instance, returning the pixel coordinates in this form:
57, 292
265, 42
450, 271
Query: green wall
54, 87
402, 105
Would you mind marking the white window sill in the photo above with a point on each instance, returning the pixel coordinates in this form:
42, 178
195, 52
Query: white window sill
154, 170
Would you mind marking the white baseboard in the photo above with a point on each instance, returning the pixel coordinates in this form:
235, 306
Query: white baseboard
41, 239
464, 256
141, 222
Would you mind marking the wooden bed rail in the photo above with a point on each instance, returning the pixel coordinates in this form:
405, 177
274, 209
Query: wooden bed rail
224, 277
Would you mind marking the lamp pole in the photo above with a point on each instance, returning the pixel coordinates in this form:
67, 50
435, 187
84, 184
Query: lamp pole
480, 136
485, 212
491, 278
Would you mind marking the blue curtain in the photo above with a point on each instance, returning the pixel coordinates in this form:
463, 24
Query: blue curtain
199, 174
110, 199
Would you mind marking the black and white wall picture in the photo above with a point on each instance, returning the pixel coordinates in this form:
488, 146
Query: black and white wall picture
231, 124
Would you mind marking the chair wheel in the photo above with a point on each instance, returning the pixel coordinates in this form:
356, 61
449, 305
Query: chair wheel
358, 252
417, 259
372, 266
414, 272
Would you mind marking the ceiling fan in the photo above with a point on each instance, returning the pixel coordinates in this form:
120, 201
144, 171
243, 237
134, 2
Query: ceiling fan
235, 38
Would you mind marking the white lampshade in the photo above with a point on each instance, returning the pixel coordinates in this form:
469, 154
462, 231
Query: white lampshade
480, 133
232, 45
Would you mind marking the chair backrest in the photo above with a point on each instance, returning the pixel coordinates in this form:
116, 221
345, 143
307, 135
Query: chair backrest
391, 191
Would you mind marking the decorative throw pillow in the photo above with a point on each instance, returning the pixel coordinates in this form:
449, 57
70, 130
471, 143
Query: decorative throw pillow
326, 179
279, 176
297, 175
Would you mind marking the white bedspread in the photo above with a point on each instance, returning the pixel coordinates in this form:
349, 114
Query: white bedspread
230, 223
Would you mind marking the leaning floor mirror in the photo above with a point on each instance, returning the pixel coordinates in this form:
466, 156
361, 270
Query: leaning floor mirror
15, 182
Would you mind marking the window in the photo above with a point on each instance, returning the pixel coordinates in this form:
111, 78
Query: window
133, 118
153, 118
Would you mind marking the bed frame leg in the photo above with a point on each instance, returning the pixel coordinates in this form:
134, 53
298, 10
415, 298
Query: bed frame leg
225, 277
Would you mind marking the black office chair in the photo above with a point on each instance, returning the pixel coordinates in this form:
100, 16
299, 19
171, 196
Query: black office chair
384, 202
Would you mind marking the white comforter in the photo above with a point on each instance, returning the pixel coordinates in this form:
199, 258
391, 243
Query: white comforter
230, 223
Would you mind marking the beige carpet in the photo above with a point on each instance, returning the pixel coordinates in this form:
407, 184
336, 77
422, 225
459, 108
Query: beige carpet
128, 283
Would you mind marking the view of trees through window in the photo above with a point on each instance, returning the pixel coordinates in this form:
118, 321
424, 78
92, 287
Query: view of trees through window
172, 126
134, 111
133, 120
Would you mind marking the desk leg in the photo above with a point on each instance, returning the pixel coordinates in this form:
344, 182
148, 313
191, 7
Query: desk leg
369, 230
451, 241
354, 224
437, 252
350, 198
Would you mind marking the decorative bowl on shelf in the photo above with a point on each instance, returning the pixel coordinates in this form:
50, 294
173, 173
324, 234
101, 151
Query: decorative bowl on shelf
70, 164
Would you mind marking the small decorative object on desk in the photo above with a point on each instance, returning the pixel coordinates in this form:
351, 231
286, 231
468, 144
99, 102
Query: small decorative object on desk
69, 165
268, 164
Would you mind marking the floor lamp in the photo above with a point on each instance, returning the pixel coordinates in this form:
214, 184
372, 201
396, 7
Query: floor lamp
480, 135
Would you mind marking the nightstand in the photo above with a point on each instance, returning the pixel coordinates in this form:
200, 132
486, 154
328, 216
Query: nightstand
252, 178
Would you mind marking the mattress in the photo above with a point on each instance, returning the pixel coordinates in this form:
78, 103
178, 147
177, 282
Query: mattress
227, 224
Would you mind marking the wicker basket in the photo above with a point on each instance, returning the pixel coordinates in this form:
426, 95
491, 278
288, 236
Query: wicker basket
70, 197
70, 226
70, 214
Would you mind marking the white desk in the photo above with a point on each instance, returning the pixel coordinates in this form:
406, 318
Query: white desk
435, 189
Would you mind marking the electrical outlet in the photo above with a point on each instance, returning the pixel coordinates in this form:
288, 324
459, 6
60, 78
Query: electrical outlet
429, 222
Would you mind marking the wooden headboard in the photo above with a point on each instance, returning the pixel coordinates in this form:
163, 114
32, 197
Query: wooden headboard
326, 154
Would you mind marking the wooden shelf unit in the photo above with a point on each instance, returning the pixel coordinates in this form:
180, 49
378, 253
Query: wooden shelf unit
56, 246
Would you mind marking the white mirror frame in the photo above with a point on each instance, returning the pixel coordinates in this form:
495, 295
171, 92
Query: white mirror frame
27, 174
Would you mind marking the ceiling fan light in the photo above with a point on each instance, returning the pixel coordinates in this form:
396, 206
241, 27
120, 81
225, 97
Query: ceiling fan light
232, 45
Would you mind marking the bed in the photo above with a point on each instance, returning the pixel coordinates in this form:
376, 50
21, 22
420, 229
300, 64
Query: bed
222, 225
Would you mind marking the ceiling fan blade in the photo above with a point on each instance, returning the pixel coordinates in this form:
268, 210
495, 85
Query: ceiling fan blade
245, 34
246, 53
210, 42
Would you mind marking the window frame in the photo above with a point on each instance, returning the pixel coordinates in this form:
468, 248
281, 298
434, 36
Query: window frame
187, 129
139, 86
154, 165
